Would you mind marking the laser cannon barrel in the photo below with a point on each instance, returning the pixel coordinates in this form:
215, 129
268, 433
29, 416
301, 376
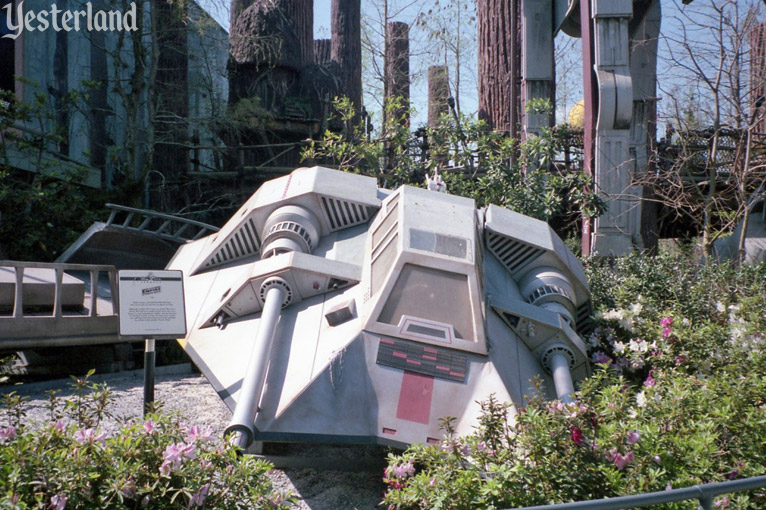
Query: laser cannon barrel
242, 423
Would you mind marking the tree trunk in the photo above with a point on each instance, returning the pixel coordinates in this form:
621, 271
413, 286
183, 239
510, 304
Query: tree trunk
98, 106
171, 98
347, 46
438, 93
498, 54
235, 9
398, 69
322, 51
301, 12
758, 75
61, 86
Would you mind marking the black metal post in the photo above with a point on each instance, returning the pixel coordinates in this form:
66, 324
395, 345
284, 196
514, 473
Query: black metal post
149, 359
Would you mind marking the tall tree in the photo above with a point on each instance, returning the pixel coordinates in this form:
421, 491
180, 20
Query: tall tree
347, 46
397, 85
498, 32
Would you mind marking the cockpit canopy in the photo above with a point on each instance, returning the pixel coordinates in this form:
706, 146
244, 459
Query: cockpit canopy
422, 271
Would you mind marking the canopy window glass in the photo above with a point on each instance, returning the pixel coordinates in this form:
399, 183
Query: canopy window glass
431, 294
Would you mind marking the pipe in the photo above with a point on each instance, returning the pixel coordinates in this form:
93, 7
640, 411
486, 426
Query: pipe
243, 422
562, 378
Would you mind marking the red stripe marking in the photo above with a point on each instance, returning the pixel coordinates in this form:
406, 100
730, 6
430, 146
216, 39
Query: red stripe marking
432, 351
414, 362
387, 430
442, 368
400, 354
287, 185
432, 358
415, 397
457, 374
387, 341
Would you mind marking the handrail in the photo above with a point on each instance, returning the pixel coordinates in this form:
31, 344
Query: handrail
59, 270
148, 216
704, 493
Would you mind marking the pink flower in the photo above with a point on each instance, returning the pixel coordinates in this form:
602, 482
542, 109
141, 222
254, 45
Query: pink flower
7, 432
665, 322
402, 471
622, 461
450, 444
59, 426
722, 502
196, 433
199, 498
577, 436
619, 460
275, 500
600, 358
482, 448
89, 436
149, 426
633, 437
649, 381
681, 359
58, 502
432, 482
174, 455
666, 332
657, 459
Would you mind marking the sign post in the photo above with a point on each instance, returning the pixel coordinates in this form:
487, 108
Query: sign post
151, 306
149, 361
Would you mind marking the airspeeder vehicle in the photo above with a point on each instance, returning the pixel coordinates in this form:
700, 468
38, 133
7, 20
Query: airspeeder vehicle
330, 310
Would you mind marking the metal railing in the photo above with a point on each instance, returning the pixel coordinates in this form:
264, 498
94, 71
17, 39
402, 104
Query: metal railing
163, 225
703, 493
59, 270
23, 328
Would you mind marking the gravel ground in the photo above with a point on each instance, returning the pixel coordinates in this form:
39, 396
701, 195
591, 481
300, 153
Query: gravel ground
179, 390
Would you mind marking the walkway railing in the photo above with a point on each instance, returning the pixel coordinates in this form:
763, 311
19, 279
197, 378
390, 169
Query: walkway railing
22, 328
172, 228
704, 493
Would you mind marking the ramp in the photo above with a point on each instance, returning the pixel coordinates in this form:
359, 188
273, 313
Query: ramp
134, 239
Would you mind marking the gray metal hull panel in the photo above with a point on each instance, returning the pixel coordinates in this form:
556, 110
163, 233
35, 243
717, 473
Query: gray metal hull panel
397, 362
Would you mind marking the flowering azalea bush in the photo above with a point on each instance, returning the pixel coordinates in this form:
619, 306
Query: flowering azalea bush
161, 462
677, 397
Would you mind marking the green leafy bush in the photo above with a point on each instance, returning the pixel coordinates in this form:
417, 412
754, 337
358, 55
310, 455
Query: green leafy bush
473, 160
158, 463
677, 398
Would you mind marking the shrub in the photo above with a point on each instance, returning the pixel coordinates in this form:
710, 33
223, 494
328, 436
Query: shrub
475, 162
158, 463
677, 398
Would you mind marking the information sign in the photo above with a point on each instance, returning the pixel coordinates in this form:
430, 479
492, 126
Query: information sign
152, 304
